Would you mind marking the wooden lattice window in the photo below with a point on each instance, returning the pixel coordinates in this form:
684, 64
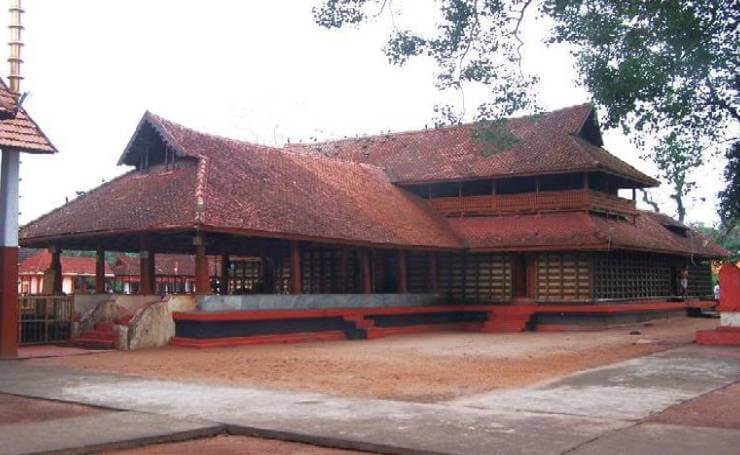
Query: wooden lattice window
474, 277
417, 272
627, 275
564, 277
700, 278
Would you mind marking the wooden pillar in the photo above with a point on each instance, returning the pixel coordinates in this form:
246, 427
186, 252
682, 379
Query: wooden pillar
296, 278
367, 285
224, 274
100, 271
202, 277
147, 275
585, 181
634, 195
402, 279
56, 271
343, 270
433, 286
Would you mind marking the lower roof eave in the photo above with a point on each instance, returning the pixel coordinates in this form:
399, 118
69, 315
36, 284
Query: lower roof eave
328, 240
595, 247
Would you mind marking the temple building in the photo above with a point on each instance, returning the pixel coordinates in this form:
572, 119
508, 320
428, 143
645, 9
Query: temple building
523, 213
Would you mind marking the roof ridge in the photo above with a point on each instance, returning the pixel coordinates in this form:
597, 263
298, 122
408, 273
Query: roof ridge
442, 128
161, 119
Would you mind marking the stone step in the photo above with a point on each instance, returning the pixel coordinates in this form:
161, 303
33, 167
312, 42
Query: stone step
91, 343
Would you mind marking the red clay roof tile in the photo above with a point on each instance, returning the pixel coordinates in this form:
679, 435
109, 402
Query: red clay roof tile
559, 231
20, 132
71, 265
546, 143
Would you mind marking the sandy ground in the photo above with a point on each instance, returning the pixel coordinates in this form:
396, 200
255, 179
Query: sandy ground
423, 368
236, 445
719, 409
15, 409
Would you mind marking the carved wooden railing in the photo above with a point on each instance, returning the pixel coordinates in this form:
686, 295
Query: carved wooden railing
544, 201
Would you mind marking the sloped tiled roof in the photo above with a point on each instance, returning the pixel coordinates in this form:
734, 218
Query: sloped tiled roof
579, 229
71, 265
20, 132
233, 186
246, 187
133, 201
545, 143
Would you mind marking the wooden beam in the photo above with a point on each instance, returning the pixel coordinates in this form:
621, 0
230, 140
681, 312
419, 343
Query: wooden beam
402, 279
100, 271
367, 287
296, 278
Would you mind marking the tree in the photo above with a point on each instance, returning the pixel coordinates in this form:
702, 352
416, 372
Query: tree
659, 69
676, 157
729, 198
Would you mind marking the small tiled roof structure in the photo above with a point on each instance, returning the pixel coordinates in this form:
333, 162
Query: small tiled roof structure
565, 140
18, 131
579, 230
165, 265
39, 263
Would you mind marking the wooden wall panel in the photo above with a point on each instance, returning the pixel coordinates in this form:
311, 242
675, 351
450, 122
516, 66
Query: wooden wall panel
564, 277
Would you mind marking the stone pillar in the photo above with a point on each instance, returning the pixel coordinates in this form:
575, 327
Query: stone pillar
147, 275
367, 285
296, 278
202, 278
100, 271
57, 278
9, 170
433, 286
403, 287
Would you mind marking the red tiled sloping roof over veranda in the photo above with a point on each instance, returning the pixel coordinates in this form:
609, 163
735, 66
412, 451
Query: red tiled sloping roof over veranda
579, 230
18, 131
71, 265
243, 187
552, 142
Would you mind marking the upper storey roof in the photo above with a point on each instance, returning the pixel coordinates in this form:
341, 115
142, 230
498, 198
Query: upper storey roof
566, 140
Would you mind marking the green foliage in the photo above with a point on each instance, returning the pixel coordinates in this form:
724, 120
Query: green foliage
676, 158
659, 69
729, 198
493, 136
727, 237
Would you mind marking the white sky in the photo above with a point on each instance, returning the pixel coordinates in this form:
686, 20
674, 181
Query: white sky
259, 71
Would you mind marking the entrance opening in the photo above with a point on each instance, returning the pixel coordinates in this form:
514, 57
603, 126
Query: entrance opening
522, 276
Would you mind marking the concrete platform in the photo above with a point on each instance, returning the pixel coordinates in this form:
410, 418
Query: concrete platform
106, 431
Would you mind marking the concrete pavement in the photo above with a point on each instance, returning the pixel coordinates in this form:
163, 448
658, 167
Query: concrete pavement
596, 410
106, 431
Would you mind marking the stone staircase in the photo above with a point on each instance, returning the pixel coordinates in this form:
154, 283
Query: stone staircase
101, 337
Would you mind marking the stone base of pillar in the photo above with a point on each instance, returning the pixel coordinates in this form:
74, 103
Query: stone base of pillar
727, 334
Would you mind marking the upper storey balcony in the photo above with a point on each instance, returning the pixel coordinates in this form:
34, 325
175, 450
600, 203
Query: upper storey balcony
544, 201
592, 192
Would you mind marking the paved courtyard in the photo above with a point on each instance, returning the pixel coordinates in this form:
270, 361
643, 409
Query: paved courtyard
677, 401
